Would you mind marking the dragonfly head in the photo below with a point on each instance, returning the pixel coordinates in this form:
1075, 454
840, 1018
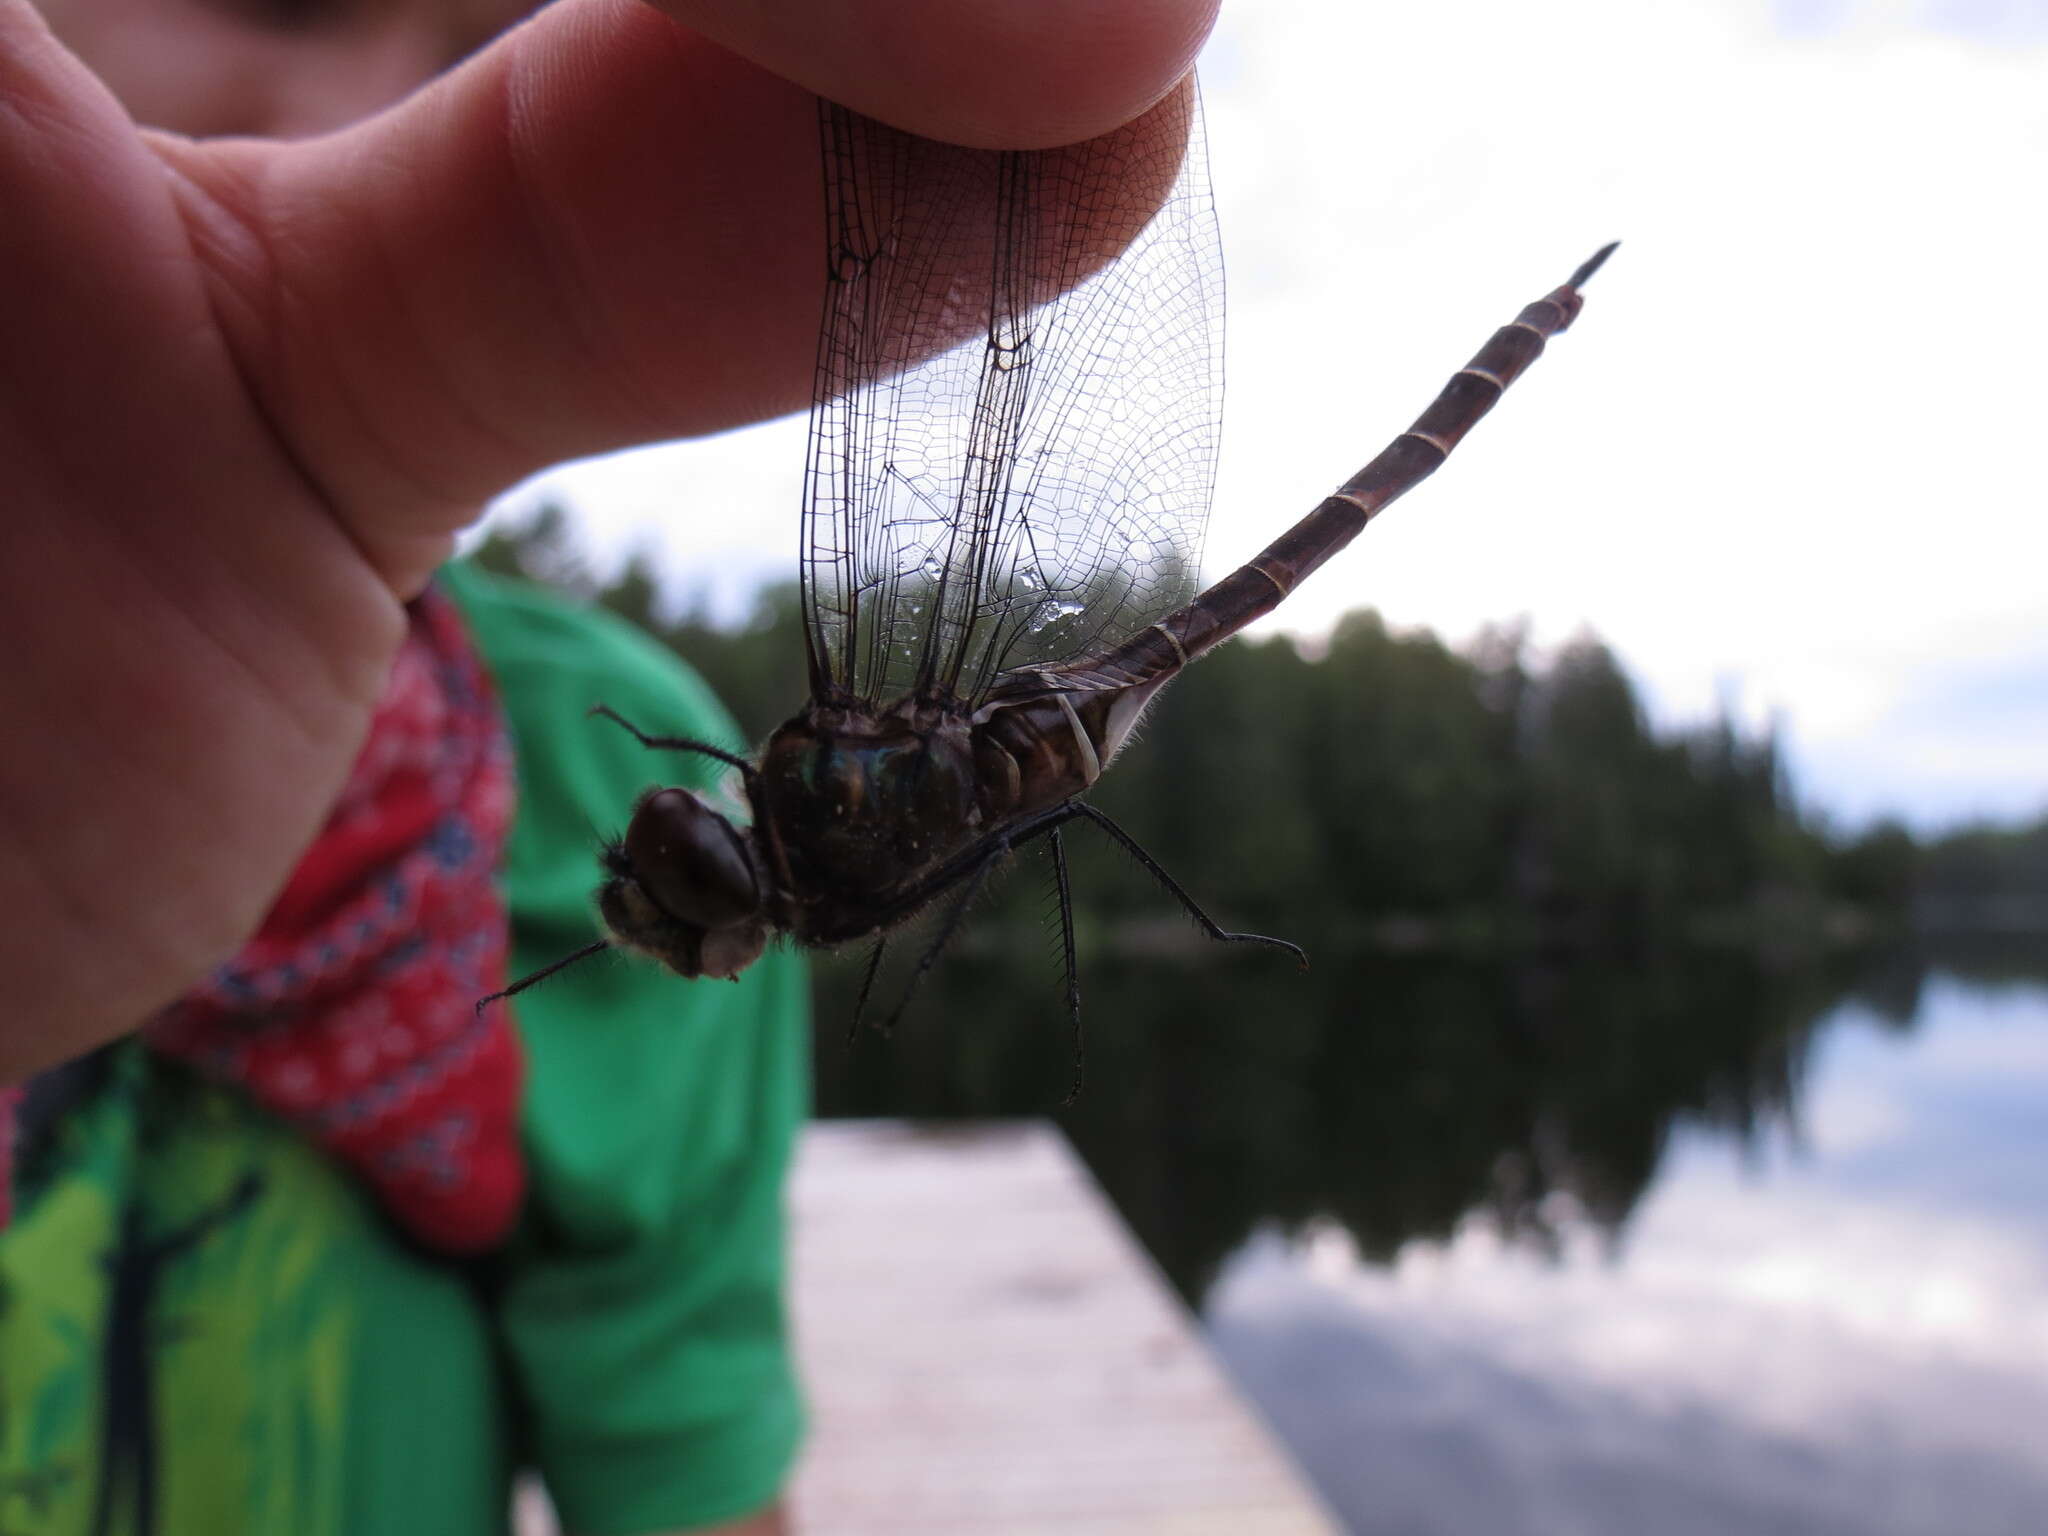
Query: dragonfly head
683, 888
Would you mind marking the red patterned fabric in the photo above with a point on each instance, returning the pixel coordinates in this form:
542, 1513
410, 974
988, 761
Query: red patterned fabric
351, 1012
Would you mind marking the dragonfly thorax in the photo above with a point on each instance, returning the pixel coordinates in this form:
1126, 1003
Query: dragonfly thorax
859, 804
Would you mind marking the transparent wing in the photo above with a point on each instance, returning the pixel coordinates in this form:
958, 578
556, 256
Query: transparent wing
1013, 437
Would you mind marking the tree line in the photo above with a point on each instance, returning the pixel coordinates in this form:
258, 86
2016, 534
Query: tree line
1387, 789
1544, 934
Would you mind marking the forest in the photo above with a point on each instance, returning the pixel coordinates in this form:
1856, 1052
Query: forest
1389, 789
1543, 935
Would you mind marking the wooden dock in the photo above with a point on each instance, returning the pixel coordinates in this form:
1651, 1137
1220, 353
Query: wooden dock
988, 1352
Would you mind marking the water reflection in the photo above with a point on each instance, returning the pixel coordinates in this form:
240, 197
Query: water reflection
1842, 1328
1692, 1247
1393, 1097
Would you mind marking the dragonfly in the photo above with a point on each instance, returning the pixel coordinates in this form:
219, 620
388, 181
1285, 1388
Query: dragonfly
1011, 456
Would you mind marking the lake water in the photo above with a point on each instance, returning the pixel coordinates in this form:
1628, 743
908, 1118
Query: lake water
1699, 1247
1841, 1327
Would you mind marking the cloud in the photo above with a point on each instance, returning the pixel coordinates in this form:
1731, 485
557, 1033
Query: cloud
2001, 23
1793, 442
1955, 739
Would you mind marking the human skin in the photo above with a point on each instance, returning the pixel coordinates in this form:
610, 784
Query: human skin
250, 390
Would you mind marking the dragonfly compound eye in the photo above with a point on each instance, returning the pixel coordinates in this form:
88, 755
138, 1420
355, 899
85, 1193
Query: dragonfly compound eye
691, 861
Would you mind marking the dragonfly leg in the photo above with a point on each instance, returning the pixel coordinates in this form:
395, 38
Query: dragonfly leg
951, 926
544, 973
867, 986
676, 743
1173, 887
1066, 895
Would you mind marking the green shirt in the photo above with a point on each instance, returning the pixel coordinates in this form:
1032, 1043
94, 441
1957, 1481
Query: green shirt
303, 1373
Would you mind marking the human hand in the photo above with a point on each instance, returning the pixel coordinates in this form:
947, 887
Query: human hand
249, 390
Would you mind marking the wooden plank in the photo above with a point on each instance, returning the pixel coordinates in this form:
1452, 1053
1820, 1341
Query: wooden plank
987, 1350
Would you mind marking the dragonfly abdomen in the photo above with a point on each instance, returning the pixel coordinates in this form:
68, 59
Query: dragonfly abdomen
1258, 587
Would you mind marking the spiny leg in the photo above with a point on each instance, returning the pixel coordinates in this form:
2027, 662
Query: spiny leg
674, 743
867, 985
947, 929
1066, 893
1173, 887
544, 973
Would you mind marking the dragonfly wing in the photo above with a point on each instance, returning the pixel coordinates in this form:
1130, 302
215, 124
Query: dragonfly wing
1019, 380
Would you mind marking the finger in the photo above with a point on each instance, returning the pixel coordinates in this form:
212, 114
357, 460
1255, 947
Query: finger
605, 230
1011, 74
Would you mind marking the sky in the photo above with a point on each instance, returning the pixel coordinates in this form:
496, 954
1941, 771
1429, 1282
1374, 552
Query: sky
1790, 459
